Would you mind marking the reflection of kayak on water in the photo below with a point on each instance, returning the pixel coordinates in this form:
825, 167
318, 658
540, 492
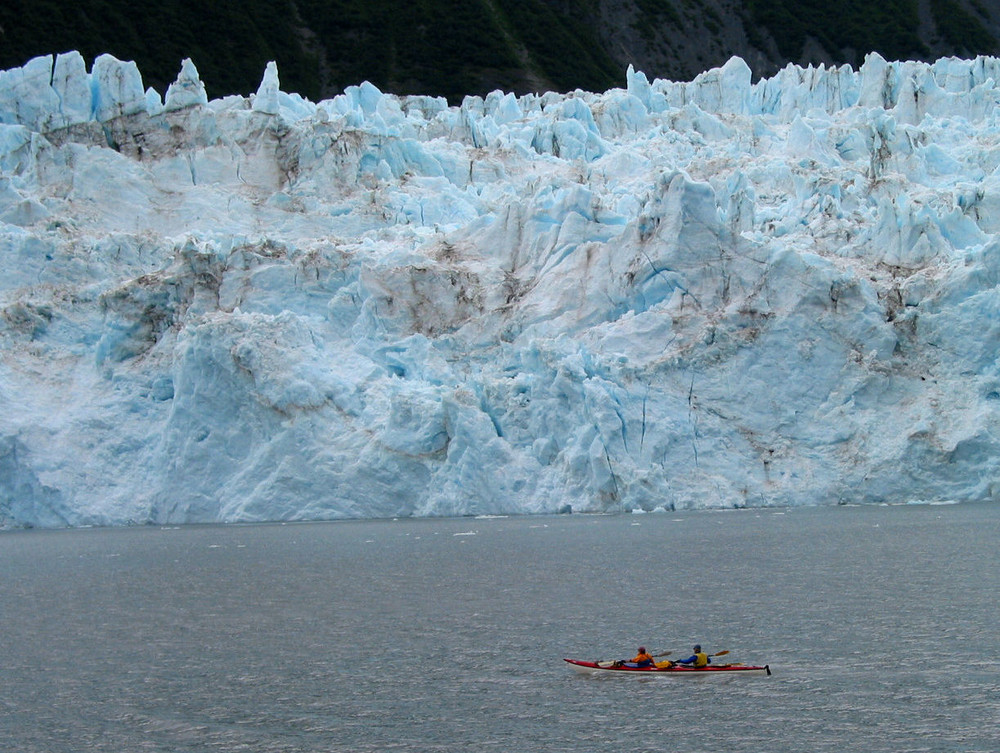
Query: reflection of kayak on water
593, 667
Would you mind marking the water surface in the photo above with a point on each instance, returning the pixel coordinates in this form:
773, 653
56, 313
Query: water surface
880, 624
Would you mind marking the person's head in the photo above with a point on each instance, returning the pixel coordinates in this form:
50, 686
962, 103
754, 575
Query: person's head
697, 649
642, 649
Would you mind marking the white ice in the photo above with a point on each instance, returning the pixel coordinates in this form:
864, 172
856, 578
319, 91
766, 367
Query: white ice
672, 295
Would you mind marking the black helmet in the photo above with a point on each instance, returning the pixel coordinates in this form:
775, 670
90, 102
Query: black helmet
697, 649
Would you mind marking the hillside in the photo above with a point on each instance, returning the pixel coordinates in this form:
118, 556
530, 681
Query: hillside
453, 49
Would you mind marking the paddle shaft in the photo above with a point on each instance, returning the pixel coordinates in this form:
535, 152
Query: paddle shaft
667, 653
717, 653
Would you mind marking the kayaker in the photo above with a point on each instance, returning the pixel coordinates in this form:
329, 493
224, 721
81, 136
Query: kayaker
698, 659
642, 659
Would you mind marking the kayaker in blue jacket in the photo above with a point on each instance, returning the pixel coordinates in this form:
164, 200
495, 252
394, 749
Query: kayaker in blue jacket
698, 659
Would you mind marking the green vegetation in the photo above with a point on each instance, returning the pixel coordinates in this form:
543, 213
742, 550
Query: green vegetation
660, 11
653, 15
229, 41
447, 48
439, 47
961, 29
888, 27
562, 46
713, 21
399, 46
456, 48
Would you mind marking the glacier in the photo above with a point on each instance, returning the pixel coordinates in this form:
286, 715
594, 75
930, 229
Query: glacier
709, 294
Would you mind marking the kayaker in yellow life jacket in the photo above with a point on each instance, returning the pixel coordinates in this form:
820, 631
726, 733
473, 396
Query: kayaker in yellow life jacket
643, 658
698, 659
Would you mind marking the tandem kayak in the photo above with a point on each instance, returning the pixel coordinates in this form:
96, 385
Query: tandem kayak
593, 667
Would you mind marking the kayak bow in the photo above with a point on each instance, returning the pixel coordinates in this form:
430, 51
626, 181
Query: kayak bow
594, 667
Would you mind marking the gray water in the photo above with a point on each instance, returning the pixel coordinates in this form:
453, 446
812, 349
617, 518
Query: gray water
880, 624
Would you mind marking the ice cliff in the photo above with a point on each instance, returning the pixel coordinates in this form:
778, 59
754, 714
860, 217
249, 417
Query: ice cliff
707, 294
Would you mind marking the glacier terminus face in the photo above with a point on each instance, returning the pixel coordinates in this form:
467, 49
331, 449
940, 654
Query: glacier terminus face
718, 293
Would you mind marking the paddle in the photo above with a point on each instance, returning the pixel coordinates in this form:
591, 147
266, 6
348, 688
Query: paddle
719, 653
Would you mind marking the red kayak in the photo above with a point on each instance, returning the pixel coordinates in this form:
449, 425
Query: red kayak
593, 667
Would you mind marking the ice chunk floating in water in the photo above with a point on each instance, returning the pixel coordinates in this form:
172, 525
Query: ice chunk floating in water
670, 295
